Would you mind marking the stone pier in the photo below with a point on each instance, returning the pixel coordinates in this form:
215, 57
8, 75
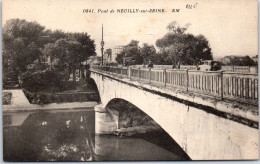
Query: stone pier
106, 120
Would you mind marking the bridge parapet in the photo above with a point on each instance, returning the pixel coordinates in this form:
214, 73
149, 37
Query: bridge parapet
241, 87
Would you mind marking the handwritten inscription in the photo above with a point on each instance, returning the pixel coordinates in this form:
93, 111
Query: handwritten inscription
193, 6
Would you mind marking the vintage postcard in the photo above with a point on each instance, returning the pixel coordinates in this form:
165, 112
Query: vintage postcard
132, 80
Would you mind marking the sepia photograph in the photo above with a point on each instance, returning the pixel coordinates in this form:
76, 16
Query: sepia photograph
132, 80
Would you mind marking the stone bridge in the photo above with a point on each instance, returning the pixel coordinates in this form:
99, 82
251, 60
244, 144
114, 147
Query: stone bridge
204, 127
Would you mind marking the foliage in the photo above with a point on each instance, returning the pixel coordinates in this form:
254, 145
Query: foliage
50, 51
161, 58
242, 61
88, 45
25, 42
70, 52
132, 52
20, 44
41, 80
7, 96
119, 58
69, 92
147, 52
63, 97
183, 48
48, 36
175, 47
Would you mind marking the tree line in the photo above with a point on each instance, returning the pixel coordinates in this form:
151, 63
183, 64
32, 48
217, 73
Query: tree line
29, 43
175, 47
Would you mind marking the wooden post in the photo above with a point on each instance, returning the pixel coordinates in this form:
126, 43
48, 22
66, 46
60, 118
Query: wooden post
139, 73
116, 71
150, 75
247, 88
222, 85
129, 72
187, 80
165, 76
121, 72
253, 89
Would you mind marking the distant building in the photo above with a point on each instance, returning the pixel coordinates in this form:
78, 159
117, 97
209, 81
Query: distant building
237, 60
115, 51
227, 60
255, 58
108, 56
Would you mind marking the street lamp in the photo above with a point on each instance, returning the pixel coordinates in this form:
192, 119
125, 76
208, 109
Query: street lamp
102, 45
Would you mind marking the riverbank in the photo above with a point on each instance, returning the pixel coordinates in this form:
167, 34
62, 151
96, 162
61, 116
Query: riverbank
20, 103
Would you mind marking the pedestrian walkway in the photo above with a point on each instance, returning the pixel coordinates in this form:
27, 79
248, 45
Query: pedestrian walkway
19, 102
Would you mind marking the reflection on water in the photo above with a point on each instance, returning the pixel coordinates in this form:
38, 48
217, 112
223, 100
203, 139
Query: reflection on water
49, 136
115, 148
69, 136
15, 119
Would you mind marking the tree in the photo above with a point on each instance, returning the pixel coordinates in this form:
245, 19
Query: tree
68, 53
161, 58
48, 36
75, 56
25, 42
119, 58
20, 44
182, 47
50, 51
247, 61
147, 52
242, 61
132, 52
69, 50
88, 45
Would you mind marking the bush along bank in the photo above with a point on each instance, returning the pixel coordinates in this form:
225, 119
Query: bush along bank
49, 86
60, 97
7, 96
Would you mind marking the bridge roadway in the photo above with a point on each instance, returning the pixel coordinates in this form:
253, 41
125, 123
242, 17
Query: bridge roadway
206, 128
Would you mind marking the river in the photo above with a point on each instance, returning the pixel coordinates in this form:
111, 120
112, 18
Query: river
69, 135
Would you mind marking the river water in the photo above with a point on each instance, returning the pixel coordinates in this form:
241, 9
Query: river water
69, 135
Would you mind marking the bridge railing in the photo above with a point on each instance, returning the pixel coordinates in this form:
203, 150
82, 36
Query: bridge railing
206, 82
145, 74
176, 78
222, 85
243, 69
240, 86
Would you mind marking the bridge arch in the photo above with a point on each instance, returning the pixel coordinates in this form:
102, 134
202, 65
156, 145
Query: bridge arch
131, 116
129, 113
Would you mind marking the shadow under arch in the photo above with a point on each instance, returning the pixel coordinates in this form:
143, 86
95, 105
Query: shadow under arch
93, 86
160, 137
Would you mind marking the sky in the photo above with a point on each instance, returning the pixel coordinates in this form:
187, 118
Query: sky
229, 25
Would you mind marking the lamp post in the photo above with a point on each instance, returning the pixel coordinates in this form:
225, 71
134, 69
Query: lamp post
102, 46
